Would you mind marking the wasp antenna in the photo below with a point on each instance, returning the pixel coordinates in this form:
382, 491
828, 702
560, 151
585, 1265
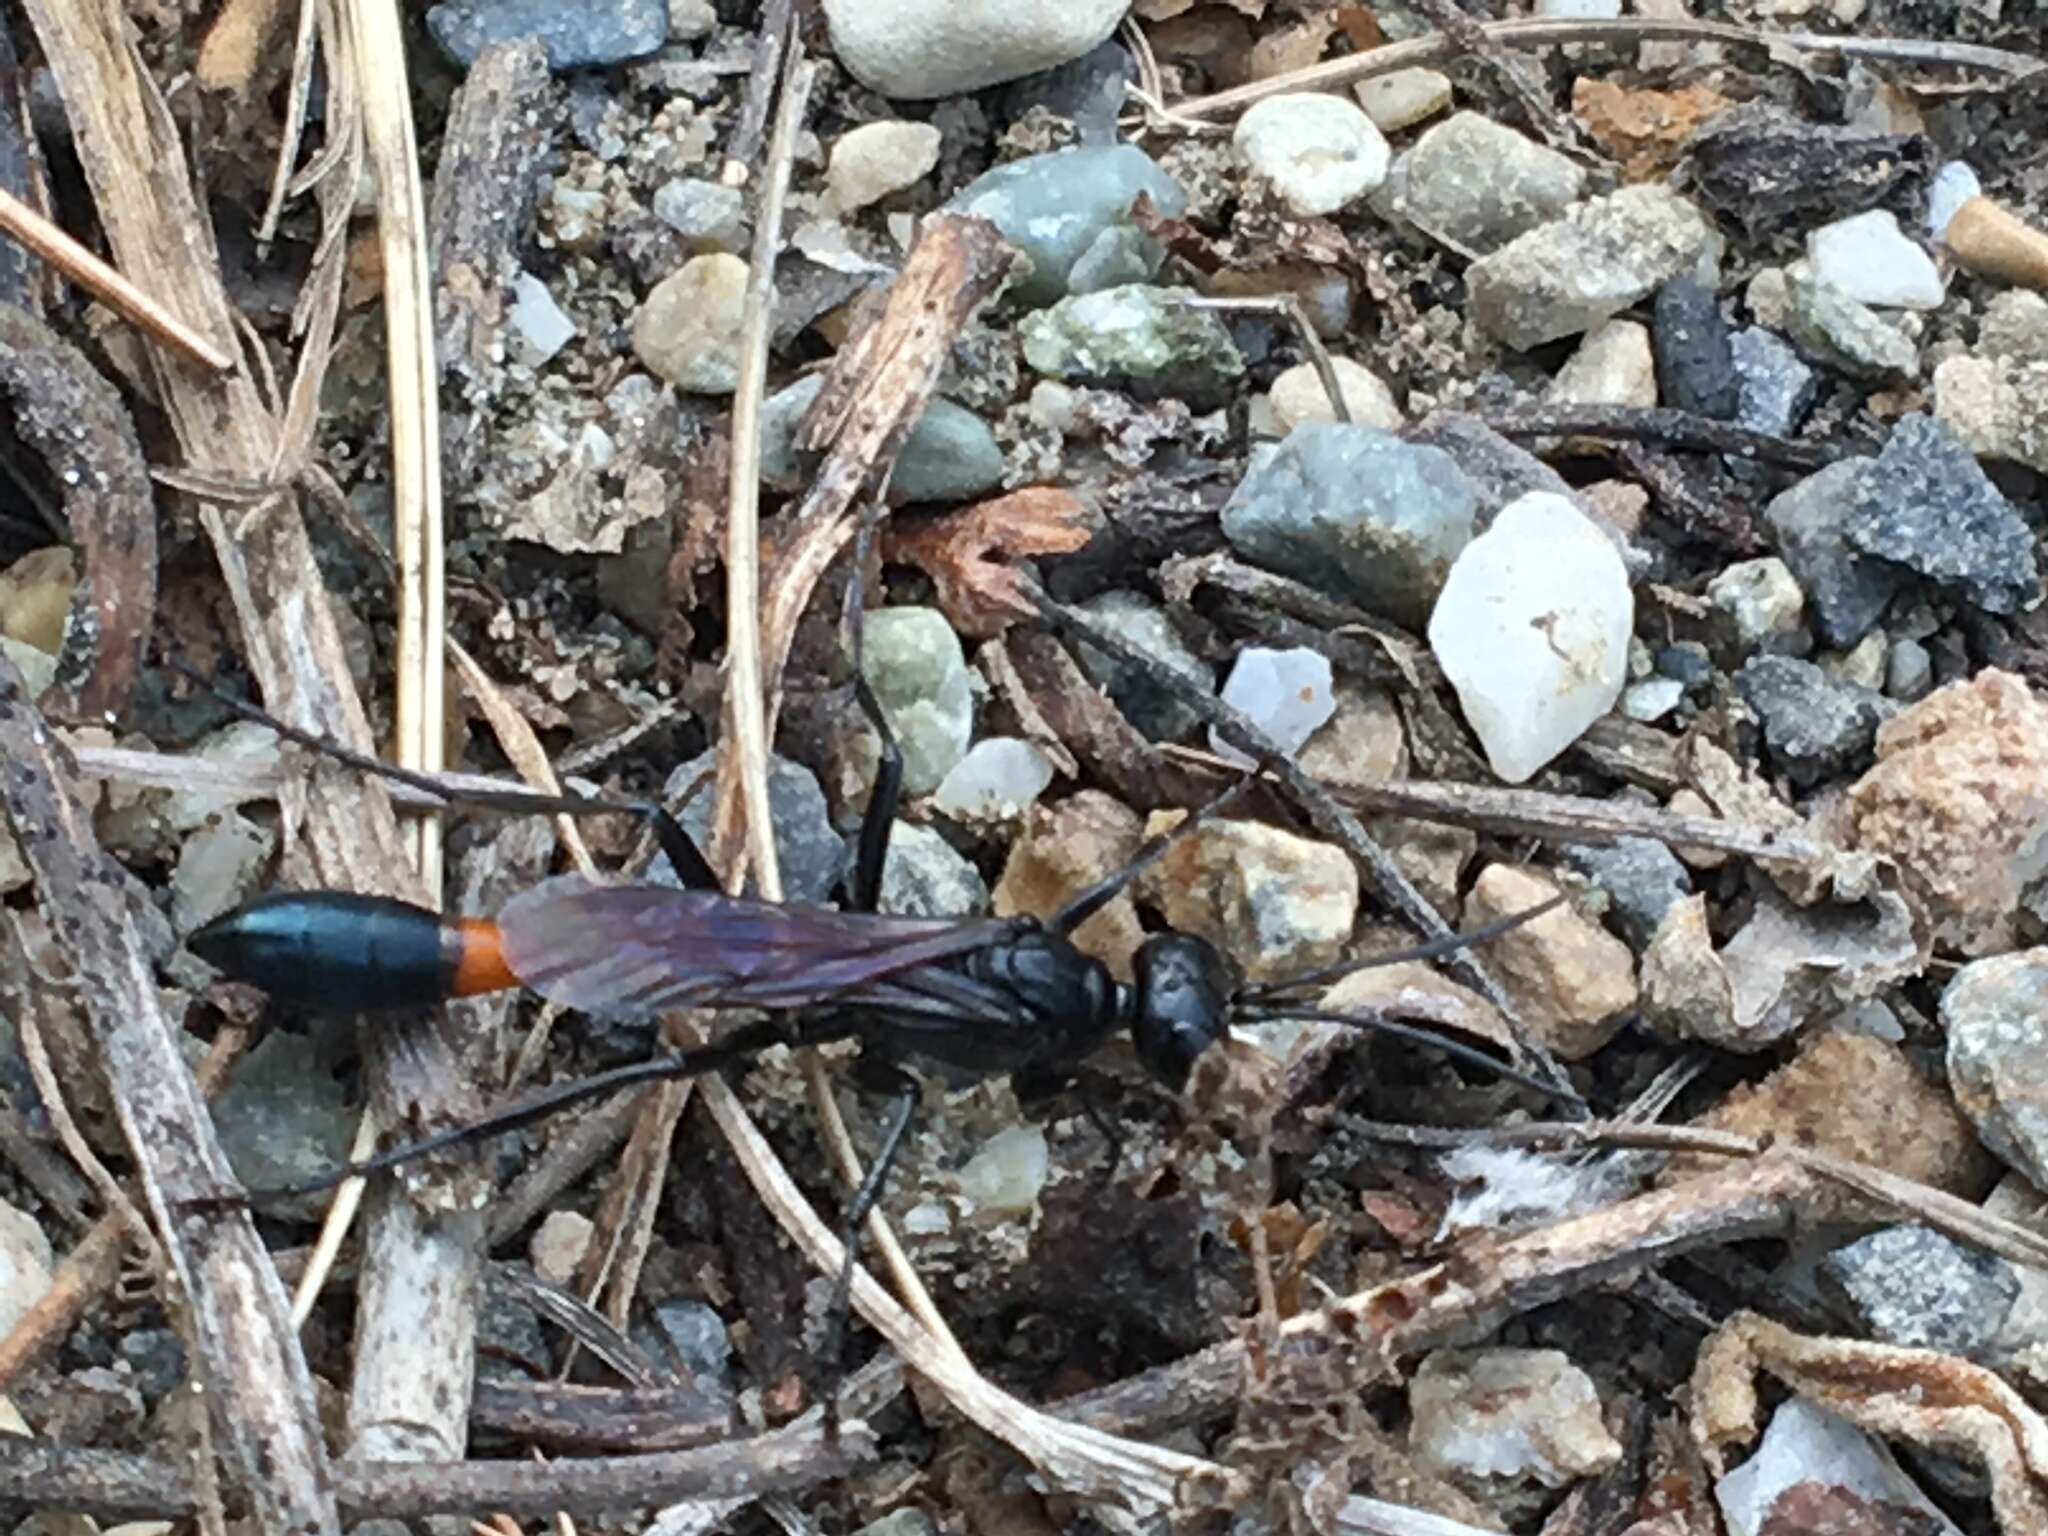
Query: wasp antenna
1435, 949
1561, 1092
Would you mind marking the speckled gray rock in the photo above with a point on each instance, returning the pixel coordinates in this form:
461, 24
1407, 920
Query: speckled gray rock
1998, 1055
1139, 339
1815, 728
1475, 185
1927, 505
1601, 257
912, 659
809, 852
924, 876
594, 33
1846, 591
1832, 328
1145, 625
1055, 207
1358, 513
1913, 1287
1641, 877
950, 455
1774, 389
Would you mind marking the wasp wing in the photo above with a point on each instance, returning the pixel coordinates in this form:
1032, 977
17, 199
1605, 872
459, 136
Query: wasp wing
638, 949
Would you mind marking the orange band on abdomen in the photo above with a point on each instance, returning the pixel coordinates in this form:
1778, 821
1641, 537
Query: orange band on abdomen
480, 959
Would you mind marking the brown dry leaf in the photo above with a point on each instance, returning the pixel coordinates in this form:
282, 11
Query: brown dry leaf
1645, 131
1919, 1396
1399, 1217
966, 553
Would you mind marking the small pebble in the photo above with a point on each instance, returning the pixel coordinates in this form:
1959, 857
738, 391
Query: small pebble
1774, 389
558, 1245
1908, 670
1847, 590
2015, 326
217, 868
1056, 207
694, 1336
809, 852
1871, 259
538, 324
1143, 624
1298, 395
582, 36
1612, 366
1811, 1464
1574, 981
1814, 727
1953, 185
1927, 505
35, 597
1276, 903
912, 659
998, 780
1320, 153
1403, 97
1362, 743
1652, 699
1599, 258
1492, 1416
709, 214
1066, 848
1998, 1055
1475, 185
1532, 630
1642, 878
27, 1263
1864, 665
877, 159
688, 329
1357, 513
1833, 328
1139, 339
1287, 694
924, 876
1762, 602
1913, 1287
915, 50
1688, 662
1001, 1182
1997, 407
1695, 360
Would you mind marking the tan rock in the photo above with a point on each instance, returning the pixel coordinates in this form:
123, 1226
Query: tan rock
1573, 980
688, 328
1298, 396
876, 159
1958, 801
35, 598
1277, 904
1065, 849
1855, 1097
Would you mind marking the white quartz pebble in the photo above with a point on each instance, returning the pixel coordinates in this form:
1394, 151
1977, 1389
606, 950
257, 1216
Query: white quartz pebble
1872, 260
1532, 630
1287, 694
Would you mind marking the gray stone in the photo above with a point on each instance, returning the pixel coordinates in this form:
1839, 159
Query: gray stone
1774, 389
1998, 1055
1847, 590
692, 1335
950, 455
1814, 727
708, 213
1927, 505
1832, 328
593, 33
1476, 185
1499, 471
1762, 602
1908, 670
1088, 91
283, 1118
912, 659
810, 853
1913, 1287
1358, 513
919, 49
923, 876
1601, 257
1145, 626
1641, 877
1054, 207
1138, 339
1695, 361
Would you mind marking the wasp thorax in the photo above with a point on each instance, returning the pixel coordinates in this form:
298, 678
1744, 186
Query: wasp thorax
1180, 1003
